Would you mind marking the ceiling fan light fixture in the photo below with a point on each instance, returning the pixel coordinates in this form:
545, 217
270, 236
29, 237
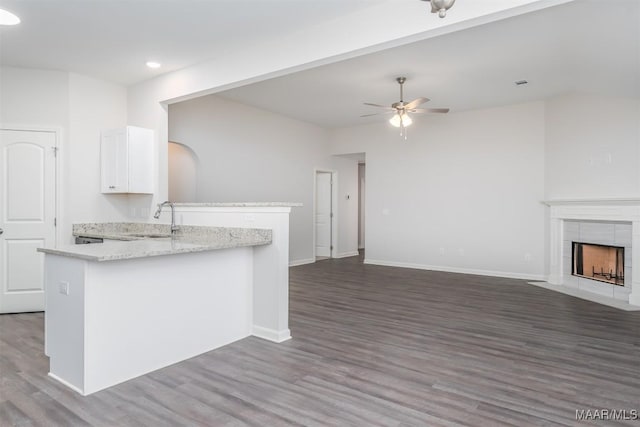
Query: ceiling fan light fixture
406, 120
400, 120
441, 6
8, 18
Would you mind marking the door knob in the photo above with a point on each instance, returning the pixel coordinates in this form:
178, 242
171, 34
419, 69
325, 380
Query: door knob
1, 231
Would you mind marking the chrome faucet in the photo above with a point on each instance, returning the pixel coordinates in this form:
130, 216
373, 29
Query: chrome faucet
174, 227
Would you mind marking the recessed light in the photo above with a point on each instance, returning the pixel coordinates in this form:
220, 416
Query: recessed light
8, 18
521, 82
153, 64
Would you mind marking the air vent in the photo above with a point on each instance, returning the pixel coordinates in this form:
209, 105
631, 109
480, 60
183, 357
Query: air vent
521, 82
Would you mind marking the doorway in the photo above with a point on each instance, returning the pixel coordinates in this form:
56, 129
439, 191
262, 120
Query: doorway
323, 215
361, 204
27, 216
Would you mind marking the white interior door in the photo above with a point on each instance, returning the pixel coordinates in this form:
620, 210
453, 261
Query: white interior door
323, 214
361, 204
27, 215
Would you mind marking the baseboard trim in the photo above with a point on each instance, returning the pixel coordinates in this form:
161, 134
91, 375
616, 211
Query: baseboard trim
475, 272
66, 383
347, 254
297, 262
271, 334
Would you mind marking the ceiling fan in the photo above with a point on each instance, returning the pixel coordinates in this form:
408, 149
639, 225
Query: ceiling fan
400, 109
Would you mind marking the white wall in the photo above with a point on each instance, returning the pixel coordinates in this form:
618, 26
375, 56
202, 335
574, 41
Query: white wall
80, 107
249, 154
145, 110
183, 173
34, 97
94, 105
592, 147
462, 194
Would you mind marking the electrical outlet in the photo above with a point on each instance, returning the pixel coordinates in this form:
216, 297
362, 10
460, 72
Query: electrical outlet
442, 251
63, 287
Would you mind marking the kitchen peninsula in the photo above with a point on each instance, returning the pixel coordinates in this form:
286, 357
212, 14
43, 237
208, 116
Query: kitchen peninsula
150, 298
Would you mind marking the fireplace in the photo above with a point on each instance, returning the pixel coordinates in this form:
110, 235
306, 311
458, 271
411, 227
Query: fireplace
598, 262
610, 222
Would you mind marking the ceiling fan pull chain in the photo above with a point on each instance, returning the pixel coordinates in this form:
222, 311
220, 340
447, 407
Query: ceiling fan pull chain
403, 131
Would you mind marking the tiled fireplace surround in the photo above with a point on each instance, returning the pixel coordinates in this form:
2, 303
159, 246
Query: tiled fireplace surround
606, 222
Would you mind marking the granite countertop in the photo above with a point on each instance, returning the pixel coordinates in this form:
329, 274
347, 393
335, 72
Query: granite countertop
240, 204
188, 239
129, 230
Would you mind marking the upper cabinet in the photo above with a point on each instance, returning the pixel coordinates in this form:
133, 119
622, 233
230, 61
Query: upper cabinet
127, 160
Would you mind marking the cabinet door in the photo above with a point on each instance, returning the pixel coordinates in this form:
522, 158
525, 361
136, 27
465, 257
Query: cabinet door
114, 159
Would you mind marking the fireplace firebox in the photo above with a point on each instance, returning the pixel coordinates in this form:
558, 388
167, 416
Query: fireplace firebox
598, 262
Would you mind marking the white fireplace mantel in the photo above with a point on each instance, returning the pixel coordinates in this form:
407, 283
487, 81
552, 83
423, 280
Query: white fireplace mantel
623, 201
610, 210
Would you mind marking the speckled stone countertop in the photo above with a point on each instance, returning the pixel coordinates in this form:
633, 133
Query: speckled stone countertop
159, 241
129, 230
240, 204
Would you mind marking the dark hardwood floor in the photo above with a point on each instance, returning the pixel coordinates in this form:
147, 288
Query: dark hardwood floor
372, 346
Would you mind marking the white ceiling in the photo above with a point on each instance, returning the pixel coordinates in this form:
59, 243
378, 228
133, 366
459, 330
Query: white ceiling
585, 46
112, 39
580, 46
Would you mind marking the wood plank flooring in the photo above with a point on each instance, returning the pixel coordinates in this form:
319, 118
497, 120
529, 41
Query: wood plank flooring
373, 346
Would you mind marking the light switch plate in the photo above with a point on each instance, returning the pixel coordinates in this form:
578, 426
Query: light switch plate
63, 287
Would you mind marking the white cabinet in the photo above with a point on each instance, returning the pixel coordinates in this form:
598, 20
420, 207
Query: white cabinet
127, 160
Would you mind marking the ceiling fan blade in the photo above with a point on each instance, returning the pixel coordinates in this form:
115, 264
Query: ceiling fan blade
429, 110
413, 104
378, 105
377, 114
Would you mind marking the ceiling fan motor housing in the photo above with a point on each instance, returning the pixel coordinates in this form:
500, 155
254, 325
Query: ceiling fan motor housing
441, 6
